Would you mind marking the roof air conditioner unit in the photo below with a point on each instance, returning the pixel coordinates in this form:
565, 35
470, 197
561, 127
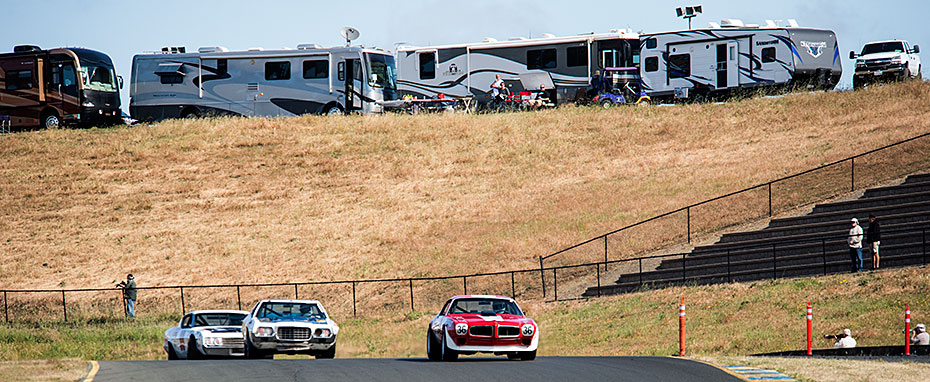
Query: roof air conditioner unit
256, 49
309, 46
731, 23
770, 24
547, 35
714, 25
793, 23
212, 49
516, 39
489, 39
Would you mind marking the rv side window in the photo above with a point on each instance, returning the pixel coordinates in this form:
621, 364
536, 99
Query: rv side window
222, 66
316, 69
652, 64
169, 79
279, 70
427, 65
342, 70
651, 43
541, 59
679, 66
577, 56
768, 55
18, 79
357, 70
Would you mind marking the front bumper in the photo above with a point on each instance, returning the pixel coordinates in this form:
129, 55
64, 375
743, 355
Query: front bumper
223, 351
486, 345
313, 344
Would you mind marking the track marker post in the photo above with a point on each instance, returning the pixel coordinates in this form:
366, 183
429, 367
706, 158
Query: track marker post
681, 327
907, 329
810, 328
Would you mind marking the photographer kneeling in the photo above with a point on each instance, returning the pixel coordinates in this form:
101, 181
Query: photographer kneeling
920, 337
843, 341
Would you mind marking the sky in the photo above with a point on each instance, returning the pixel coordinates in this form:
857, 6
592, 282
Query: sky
124, 28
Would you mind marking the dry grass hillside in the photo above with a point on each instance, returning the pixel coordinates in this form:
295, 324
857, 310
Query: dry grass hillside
323, 198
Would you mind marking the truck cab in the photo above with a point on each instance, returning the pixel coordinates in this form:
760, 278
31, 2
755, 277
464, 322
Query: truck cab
882, 61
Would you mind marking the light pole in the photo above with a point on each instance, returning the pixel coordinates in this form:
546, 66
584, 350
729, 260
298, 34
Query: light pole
689, 13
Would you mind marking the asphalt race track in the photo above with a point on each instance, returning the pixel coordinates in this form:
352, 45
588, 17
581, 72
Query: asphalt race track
470, 369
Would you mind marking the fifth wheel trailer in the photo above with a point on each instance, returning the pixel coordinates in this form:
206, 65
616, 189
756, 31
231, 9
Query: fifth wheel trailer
467, 70
731, 57
215, 81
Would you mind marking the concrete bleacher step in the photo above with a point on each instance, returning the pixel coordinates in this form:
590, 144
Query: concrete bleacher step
830, 230
901, 188
887, 200
917, 178
882, 212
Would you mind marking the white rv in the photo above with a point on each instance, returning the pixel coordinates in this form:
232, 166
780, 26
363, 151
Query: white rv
732, 56
467, 70
215, 81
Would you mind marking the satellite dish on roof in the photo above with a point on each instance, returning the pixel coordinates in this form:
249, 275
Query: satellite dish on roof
350, 34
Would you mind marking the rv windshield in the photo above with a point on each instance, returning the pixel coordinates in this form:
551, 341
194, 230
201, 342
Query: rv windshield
882, 47
98, 77
383, 71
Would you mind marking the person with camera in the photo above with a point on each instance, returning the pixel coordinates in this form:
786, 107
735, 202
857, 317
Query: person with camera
920, 337
129, 294
843, 341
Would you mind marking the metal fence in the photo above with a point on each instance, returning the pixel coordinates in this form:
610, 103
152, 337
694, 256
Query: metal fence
398, 294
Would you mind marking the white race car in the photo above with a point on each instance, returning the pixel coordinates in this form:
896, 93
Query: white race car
205, 333
291, 327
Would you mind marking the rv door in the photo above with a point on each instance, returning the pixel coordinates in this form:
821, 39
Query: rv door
353, 84
733, 64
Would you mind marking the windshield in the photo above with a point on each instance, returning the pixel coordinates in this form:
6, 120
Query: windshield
383, 71
481, 305
882, 47
98, 77
219, 319
278, 310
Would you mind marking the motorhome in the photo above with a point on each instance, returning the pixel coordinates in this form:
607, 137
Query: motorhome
467, 70
311, 79
54, 87
731, 56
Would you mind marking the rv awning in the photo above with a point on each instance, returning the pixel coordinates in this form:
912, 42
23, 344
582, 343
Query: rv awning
169, 69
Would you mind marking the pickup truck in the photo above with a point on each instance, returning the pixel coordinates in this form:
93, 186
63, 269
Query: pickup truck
886, 60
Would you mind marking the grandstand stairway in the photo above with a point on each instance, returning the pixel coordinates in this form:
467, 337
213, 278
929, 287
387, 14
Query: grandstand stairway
813, 244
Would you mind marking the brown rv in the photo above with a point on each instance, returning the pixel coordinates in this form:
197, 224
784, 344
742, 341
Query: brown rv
55, 87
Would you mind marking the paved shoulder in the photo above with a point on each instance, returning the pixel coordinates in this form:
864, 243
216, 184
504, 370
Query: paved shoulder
468, 369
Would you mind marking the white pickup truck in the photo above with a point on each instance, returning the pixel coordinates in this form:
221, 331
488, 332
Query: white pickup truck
886, 60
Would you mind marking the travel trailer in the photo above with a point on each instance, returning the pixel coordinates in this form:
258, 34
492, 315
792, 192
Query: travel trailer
731, 56
215, 81
54, 87
467, 70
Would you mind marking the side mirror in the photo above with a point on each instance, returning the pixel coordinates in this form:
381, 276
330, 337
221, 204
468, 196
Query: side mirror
374, 77
916, 48
852, 55
120, 80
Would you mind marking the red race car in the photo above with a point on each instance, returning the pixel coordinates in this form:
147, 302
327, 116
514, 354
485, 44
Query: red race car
481, 324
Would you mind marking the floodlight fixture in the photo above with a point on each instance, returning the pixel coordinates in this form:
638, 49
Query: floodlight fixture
689, 13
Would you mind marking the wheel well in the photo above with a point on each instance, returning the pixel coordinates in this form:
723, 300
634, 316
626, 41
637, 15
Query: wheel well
48, 111
326, 107
189, 111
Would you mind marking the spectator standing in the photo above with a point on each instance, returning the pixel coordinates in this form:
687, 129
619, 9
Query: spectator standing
597, 84
921, 337
874, 236
845, 341
854, 240
497, 88
129, 294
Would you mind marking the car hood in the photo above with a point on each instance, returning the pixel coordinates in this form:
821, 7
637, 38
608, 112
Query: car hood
477, 319
295, 320
880, 56
220, 329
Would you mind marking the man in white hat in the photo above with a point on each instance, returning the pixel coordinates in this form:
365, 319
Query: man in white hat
846, 341
855, 245
921, 337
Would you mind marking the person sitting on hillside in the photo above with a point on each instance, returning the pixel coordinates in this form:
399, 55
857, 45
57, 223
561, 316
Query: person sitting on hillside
921, 337
845, 340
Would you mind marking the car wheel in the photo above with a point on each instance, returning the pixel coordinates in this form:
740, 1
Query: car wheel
172, 355
907, 74
334, 110
50, 121
606, 104
192, 351
920, 73
433, 353
327, 354
528, 355
252, 352
448, 354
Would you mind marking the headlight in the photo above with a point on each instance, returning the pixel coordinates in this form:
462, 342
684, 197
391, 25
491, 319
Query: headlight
88, 104
461, 329
212, 341
528, 330
264, 332
322, 333
860, 64
897, 60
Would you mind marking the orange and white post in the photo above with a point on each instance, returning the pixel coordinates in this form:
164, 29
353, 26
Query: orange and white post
681, 327
810, 328
907, 329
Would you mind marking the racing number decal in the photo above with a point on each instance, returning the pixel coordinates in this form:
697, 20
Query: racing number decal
461, 329
527, 330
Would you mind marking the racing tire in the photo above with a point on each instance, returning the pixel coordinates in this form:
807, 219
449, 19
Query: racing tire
920, 73
192, 351
50, 120
328, 353
606, 104
528, 355
907, 74
433, 353
447, 354
252, 352
172, 355
191, 113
